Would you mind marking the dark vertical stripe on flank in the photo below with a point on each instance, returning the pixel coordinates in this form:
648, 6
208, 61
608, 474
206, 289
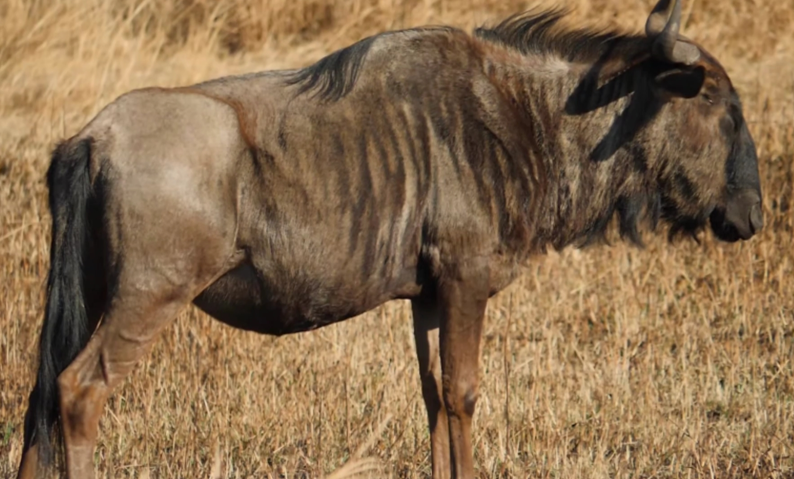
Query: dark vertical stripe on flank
282, 134
457, 142
397, 169
356, 195
380, 161
441, 120
416, 175
397, 179
410, 139
498, 154
426, 170
379, 170
341, 163
367, 217
475, 154
395, 186
256, 162
425, 176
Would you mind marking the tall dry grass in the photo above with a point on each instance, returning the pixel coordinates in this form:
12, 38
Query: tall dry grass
674, 361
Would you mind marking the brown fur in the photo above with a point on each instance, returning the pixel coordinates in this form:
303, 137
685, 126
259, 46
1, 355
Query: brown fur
425, 164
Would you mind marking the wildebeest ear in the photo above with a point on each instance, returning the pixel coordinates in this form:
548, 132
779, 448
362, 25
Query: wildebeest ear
685, 82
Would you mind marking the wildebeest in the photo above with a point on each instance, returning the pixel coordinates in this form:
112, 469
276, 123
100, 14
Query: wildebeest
426, 164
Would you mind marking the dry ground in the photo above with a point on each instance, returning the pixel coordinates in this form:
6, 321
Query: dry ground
674, 361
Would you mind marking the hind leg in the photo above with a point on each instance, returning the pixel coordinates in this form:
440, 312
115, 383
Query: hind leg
124, 336
152, 287
29, 463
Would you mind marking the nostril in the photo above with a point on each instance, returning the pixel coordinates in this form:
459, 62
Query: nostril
756, 218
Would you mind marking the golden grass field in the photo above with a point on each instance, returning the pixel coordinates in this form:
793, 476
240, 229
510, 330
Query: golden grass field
672, 361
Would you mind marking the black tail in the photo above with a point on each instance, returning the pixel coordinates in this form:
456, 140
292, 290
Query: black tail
66, 328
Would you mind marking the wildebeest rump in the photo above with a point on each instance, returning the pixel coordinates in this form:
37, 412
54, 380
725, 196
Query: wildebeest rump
424, 164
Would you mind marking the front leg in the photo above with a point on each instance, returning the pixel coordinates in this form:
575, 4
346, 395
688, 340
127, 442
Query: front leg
426, 316
463, 294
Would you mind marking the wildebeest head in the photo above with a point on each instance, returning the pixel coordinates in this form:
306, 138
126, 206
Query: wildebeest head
711, 167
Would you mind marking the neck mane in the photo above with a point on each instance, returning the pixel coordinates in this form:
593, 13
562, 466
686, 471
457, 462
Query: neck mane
585, 105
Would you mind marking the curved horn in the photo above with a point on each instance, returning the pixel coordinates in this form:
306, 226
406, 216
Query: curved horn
658, 18
663, 25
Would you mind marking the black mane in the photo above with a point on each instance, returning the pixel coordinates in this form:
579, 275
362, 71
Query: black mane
531, 32
333, 76
540, 33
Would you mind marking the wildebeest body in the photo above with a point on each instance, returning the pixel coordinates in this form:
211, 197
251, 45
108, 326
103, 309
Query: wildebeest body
350, 203
427, 164
434, 176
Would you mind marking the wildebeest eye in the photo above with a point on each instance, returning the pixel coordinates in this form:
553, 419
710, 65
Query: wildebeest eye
708, 98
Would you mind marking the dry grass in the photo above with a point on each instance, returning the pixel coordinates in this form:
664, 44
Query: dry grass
675, 361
